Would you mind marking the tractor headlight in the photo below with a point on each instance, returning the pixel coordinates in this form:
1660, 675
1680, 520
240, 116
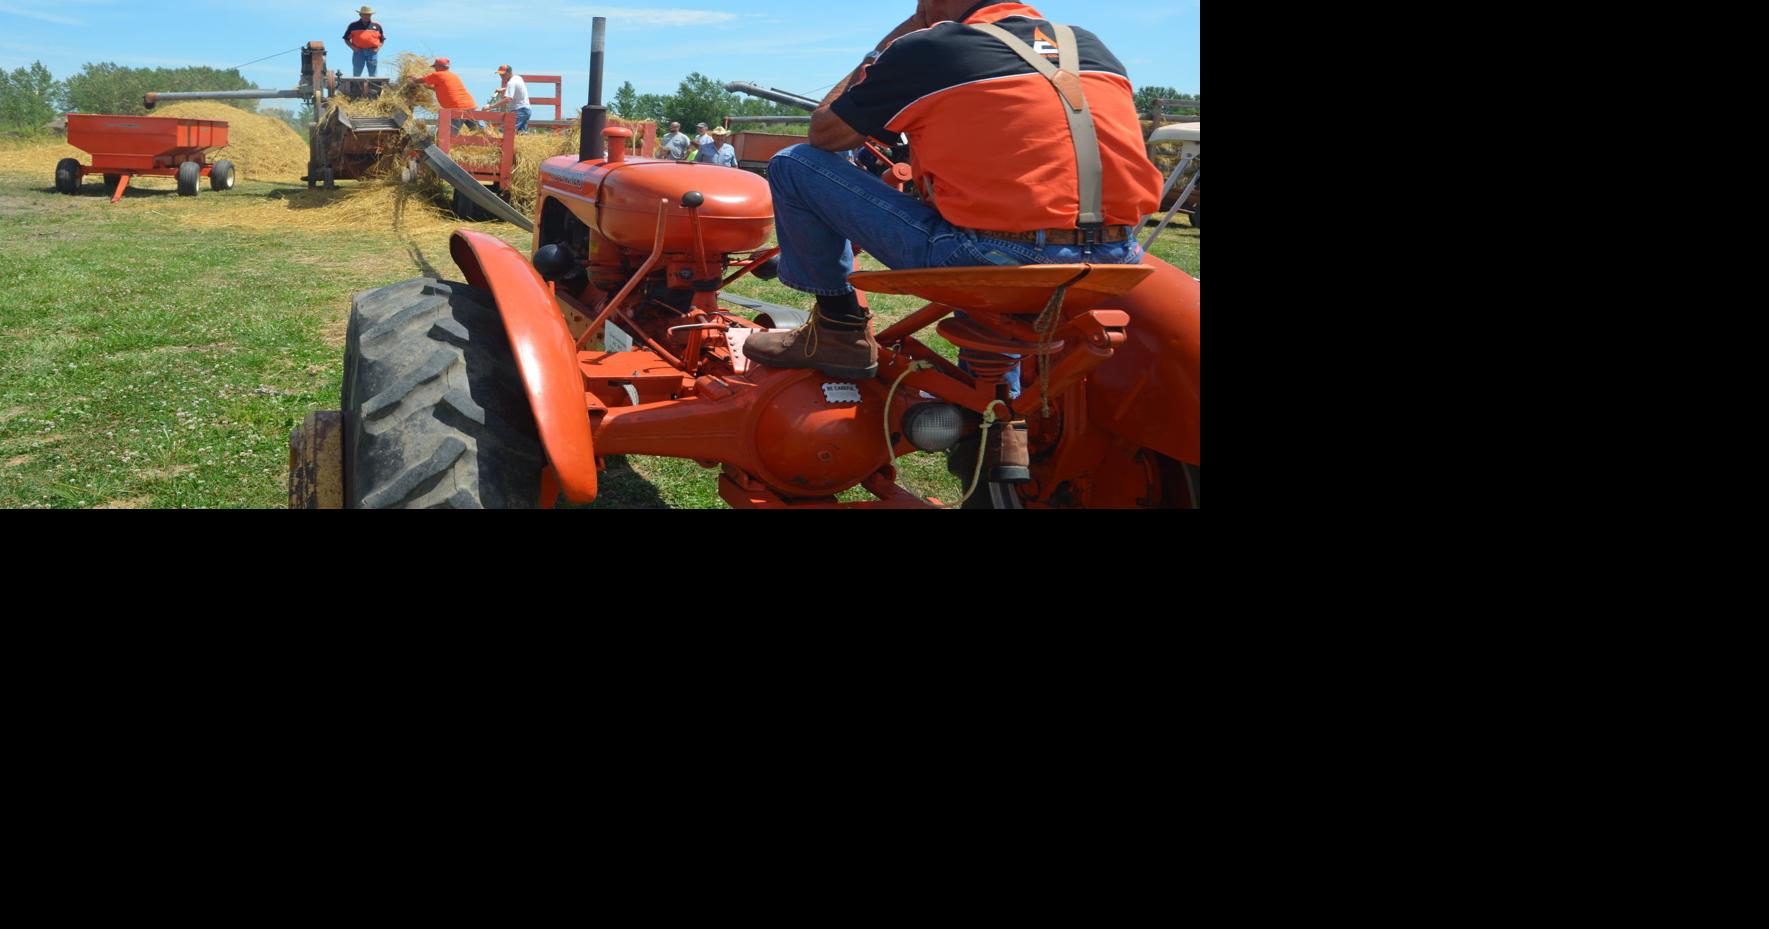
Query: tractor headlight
933, 427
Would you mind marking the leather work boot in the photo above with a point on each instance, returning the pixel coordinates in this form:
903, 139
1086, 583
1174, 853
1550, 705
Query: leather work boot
1007, 461
1009, 458
835, 347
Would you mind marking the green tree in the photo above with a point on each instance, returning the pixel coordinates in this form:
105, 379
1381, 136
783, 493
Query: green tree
699, 99
29, 98
653, 107
1146, 97
112, 88
626, 101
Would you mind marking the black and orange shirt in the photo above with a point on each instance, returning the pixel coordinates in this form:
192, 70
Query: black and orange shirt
365, 37
987, 133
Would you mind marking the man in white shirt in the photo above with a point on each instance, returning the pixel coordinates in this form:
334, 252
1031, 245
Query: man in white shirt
514, 94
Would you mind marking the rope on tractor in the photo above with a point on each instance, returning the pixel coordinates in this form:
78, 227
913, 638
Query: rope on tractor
989, 420
891, 447
976, 479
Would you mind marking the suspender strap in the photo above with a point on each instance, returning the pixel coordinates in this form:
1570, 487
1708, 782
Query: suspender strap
1066, 80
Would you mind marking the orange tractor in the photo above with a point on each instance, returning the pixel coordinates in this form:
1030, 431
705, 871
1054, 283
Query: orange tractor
511, 389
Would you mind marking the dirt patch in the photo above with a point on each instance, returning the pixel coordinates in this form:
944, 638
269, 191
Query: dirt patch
33, 443
166, 474
13, 206
13, 413
133, 503
334, 331
173, 350
16, 462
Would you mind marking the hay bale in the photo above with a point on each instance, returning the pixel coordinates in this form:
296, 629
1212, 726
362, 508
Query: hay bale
262, 148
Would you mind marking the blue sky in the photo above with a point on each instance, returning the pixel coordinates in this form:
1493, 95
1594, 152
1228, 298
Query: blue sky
798, 45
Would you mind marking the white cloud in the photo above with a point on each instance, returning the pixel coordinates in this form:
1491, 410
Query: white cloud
29, 13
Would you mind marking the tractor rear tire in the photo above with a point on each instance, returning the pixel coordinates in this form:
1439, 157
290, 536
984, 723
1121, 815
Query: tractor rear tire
67, 176
435, 413
190, 175
221, 176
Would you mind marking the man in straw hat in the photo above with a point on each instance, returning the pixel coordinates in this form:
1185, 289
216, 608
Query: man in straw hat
365, 37
725, 154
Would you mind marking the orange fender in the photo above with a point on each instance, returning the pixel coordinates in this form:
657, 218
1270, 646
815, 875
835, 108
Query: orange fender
1151, 390
544, 352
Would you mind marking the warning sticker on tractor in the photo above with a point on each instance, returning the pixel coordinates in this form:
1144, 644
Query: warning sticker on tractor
841, 393
616, 340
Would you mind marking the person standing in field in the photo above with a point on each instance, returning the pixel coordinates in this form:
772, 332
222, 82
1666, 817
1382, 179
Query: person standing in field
708, 146
725, 154
365, 38
675, 145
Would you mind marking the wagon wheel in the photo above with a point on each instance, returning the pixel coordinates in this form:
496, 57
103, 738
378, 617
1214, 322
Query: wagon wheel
189, 174
67, 176
221, 176
110, 183
331, 178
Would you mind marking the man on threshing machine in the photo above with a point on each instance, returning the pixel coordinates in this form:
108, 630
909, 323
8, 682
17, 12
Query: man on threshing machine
1069, 192
365, 37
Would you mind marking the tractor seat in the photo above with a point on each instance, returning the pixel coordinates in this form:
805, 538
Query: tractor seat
1007, 289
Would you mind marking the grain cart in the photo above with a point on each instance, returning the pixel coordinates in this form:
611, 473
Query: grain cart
512, 388
125, 147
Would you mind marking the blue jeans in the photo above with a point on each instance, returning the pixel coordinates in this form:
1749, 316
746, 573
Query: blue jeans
522, 116
822, 202
365, 58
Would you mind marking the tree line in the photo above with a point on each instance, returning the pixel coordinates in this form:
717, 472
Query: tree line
30, 98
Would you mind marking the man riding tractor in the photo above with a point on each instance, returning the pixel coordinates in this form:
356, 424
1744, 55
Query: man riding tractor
1068, 191
938, 76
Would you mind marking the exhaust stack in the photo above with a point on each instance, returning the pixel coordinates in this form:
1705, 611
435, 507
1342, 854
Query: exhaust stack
594, 117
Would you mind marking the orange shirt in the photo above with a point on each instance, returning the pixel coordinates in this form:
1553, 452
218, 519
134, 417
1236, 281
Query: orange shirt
987, 132
450, 92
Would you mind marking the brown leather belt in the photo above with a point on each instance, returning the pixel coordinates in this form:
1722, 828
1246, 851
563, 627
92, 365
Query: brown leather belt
1108, 234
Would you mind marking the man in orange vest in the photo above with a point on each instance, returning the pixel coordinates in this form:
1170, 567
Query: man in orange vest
451, 94
366, 37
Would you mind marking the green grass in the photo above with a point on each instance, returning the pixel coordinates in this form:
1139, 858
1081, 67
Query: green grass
148, 363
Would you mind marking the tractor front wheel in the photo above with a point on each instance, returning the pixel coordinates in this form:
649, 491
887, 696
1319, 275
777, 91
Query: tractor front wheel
435, 414
221, 176
67, 176
189, 174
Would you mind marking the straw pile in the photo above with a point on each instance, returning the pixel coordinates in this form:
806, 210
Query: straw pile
262, 148
38, 158
370, 206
